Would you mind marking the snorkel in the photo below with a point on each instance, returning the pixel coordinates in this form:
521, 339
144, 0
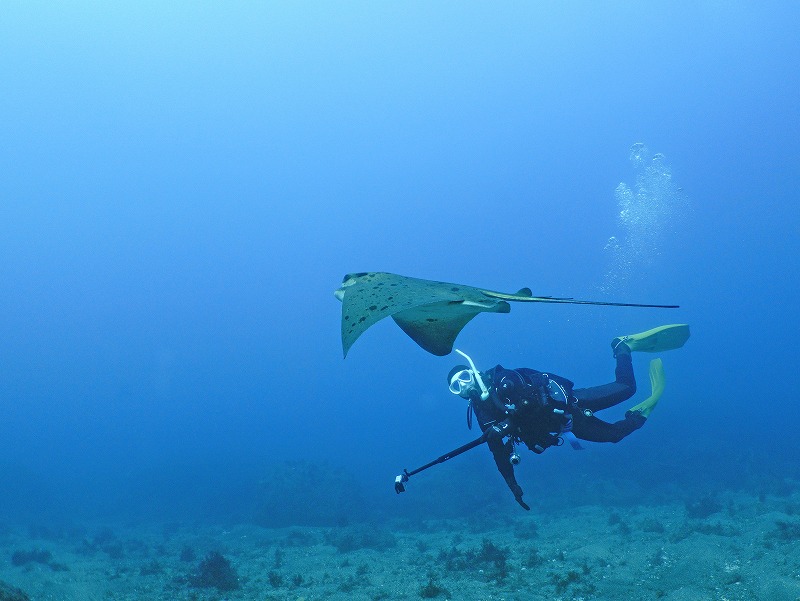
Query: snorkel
484, 391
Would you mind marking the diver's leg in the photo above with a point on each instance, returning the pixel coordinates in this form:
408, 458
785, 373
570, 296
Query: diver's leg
588, 427
601, 397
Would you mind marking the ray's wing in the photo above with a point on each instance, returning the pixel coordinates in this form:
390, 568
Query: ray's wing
435, 326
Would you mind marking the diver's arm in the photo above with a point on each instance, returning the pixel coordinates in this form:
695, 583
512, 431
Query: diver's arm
502, 458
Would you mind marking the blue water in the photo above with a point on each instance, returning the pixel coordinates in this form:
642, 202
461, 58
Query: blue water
183, 186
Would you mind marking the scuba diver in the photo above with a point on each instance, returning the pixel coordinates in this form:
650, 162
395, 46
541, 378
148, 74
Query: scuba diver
541, 410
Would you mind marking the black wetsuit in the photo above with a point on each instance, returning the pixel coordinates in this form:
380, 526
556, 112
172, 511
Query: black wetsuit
538, 409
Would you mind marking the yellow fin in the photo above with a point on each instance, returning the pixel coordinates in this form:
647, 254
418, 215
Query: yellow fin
657, 382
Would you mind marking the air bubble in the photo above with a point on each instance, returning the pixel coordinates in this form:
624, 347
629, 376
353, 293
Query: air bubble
638, 154
648, 213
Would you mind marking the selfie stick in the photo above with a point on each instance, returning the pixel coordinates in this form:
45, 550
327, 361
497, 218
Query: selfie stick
399, 481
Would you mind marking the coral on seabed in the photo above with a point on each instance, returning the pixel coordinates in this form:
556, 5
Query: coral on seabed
12, 593
215, 571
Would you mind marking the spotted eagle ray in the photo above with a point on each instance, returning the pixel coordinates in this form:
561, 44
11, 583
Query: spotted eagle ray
431, 313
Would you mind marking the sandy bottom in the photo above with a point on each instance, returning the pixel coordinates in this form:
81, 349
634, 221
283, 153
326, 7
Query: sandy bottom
737, 547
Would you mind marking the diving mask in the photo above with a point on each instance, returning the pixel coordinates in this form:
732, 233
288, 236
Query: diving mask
462, 382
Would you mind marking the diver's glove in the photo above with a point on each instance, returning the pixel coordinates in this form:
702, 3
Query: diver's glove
517, 490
